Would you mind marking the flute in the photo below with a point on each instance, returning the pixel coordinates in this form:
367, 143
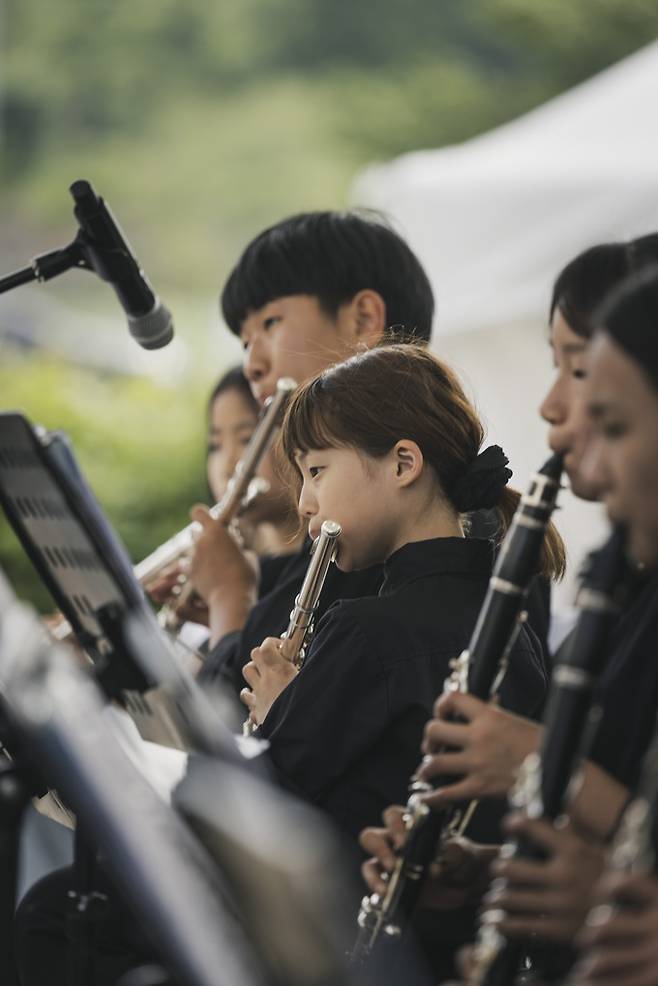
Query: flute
300, 626
225, 511
479, 670
545, 779
167, 554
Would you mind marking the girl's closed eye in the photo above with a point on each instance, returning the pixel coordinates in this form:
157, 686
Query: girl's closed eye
212, 448
270, 321
614, 429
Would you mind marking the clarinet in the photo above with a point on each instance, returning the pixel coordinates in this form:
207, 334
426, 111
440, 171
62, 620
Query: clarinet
545, 779
300, 627
634, 848
479, 670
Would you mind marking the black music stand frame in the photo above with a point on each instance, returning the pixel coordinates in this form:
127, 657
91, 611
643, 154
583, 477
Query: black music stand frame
68, 539
158, 865
64, 533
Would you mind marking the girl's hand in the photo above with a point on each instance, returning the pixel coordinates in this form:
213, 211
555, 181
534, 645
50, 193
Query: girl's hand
489, 746
465, 967
160, 589
382, 845
621, 934
458, 876
268, 673
167, 588
547, 899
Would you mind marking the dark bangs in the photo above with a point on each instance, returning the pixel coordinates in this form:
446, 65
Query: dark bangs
233, 379
311, 421
275, 265
583, 284
581, 288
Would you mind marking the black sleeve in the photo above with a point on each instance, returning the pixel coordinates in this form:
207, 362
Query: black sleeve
332, 712
220, 659
270, 616
272, 569
281, 576
524, 688
628, 697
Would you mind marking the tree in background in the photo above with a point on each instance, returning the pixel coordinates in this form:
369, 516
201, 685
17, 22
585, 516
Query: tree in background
203, 122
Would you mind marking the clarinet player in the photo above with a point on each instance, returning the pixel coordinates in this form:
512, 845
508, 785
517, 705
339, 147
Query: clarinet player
493, 742
619, 942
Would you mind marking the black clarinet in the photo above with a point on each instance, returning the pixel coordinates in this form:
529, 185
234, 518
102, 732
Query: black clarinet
545, 777
479, 671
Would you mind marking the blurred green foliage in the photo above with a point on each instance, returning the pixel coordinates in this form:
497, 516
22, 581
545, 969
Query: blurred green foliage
201, 123
140, 445
204, 121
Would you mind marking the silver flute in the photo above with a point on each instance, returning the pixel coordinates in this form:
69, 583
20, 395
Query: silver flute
181, 544
228, 507
300, 627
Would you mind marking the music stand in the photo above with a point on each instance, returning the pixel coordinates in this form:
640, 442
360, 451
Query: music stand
65, 534
162, 870
79, 558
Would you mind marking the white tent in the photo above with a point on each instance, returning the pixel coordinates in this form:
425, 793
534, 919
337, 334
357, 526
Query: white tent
494, 219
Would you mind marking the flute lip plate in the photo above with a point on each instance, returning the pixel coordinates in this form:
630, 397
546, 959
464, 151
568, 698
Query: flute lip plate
286, 384
330, 528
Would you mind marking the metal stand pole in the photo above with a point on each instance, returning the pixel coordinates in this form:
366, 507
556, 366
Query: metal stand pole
19, 277
15, 793
47, 265
87, 912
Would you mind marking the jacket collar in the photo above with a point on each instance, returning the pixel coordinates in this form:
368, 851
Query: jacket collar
437, 556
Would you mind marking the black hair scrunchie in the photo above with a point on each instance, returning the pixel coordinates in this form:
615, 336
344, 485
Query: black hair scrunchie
481, 485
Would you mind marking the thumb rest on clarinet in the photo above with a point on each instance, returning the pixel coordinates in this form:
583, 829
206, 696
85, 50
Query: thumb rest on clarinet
240, 491
546, 779
383, 920
300, 627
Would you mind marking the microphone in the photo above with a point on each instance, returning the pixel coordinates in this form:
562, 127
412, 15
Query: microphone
106, 250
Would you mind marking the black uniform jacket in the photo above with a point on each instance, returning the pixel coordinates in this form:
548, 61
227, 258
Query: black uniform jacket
346, 732
281, 579
628, 690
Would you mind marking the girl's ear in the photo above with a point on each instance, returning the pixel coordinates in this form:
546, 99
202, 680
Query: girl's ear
408, 460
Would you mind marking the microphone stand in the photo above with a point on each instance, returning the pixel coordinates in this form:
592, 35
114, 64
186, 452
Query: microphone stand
49, 265
84, 253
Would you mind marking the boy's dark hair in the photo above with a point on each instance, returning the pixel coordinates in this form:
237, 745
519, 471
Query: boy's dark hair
582, 285
331, 256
